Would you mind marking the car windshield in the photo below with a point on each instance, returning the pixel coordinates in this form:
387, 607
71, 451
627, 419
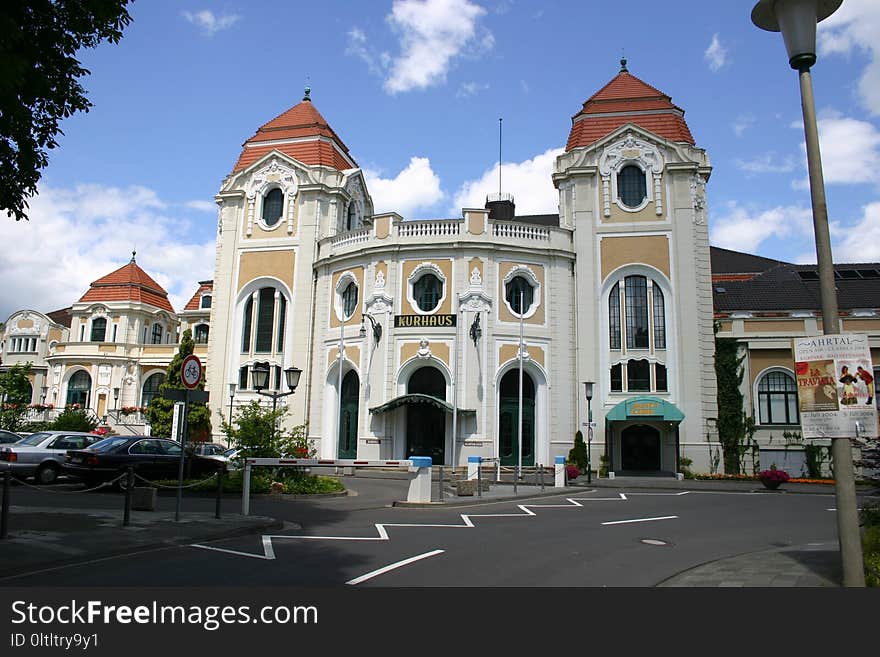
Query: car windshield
107, 444
35, 439
229, 453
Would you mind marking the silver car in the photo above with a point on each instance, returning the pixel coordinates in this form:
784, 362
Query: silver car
41, 454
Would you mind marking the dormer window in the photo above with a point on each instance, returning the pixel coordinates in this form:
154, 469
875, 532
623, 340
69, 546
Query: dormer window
206, 301
273, 206
99, 329
631, 186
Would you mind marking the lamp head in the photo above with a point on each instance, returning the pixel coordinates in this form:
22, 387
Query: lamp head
260, 375
115, 392
232, 390
292, 375
588, 390
797, 20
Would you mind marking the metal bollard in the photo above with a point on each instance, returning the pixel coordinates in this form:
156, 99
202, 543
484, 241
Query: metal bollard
220, 472
541, 473
440, 486
246, 491
480, 479
129, 484
4, 514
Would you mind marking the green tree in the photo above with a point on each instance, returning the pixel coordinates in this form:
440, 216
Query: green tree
255, 430
577, 455
39, 81
731, 421
15, 390
161, 410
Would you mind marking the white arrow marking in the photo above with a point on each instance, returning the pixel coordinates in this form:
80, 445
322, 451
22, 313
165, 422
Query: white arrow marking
399, 564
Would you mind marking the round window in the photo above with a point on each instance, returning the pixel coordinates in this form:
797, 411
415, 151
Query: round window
519, 294
631, 187
427, 292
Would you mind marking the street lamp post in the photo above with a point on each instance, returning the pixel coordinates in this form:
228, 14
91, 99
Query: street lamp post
797, 20
261, 382
588, 392
231, 399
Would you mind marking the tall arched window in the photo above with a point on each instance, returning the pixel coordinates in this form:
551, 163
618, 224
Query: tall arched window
349, 300
246, 325
273, 205
659, 318
151, 388
79, 388
99, 329
614, 317
265, 317
639, 323
777, 398
636, 296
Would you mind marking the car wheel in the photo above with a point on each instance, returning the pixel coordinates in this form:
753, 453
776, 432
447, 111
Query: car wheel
46, 474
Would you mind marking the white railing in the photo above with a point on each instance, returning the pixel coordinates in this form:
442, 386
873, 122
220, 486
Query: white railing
353, 237
428, 228
521, 231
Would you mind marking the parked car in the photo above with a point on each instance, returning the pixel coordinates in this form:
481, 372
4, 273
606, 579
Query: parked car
231, 458
151, 458
207, 449
41, 454
9, 437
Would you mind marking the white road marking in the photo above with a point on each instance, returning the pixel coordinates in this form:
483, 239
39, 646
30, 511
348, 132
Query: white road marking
399, 564
466, 523
623, 522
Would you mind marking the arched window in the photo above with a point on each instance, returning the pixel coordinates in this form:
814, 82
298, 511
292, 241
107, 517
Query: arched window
349, 300
246, 325
351, 217
206, 301
265, 317
519, 294
631, 186
151, 388
99, 329
659, 318
273, 205
279, 332
777, 398
614, 317
636, 297
201, 334
427, 292
78, 388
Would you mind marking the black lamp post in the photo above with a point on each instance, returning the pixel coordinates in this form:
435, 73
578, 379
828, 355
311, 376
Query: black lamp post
261, 381
377, 328
797, 20
588, 392
115, 398
231, 399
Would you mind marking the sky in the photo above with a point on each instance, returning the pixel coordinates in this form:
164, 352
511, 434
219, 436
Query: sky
415, 89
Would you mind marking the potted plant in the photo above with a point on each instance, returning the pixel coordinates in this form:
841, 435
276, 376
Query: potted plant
773, 477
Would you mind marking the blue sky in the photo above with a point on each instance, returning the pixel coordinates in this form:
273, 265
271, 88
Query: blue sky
415, 88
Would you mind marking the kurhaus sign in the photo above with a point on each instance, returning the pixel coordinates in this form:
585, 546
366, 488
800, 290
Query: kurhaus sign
643, 407
422, 321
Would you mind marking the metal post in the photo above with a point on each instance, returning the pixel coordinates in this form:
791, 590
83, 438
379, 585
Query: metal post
182, 455
589, 441
220, 472
440, 486
246, 490
541, 471
480, 478
848, 533
129, 484
4, 513
519, 421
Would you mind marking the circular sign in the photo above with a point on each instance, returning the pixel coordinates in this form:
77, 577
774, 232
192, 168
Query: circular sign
191, 371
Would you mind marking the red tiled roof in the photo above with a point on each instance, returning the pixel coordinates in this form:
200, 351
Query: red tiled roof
195, 302
129, 283
626, 99
301, 121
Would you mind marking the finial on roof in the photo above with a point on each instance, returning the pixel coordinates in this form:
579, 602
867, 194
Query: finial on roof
623, 68
133, 254
308, 91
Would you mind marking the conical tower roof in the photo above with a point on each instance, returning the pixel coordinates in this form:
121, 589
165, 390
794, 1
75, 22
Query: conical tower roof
128, 283
627, 99
303, 134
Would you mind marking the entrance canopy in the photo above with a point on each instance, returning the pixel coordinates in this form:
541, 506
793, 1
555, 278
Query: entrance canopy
645, 408
414, 398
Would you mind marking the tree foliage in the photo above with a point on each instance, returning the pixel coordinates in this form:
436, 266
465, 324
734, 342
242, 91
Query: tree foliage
577, 455
15, 389
257, 431
39, 81
731, 421
161, 410
74, 419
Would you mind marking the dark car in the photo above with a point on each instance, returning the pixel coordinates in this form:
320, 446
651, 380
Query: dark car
7, 437
151, 459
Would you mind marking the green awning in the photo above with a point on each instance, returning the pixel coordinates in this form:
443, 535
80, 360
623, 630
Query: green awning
417, 398
645, 408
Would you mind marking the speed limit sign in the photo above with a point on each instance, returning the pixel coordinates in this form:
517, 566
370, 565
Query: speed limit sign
191, 371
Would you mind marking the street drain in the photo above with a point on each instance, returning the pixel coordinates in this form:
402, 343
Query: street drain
653, 541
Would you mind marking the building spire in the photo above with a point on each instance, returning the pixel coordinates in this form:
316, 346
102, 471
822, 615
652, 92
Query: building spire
133, 254
623, 68
308, 91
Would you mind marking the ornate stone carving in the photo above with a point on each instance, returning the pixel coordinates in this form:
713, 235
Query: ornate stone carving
424, 349
380, 280
635, 151
474, 301
476, 280
698, 198
274, 174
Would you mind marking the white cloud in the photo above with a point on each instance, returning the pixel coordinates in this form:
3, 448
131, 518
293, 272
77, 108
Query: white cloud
470, 89
210, 23
357, 46
855, 26
742, 123
201, 206
528, 181
77, 235
767, 163
744, 229
716, 54
861, 242
850, 150
413, 190
433, 33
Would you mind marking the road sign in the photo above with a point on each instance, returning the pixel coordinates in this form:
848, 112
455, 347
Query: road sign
191, 371
175, 394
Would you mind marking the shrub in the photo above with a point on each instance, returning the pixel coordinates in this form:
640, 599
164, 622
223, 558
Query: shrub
684, 466
73, 418
603, 468
773, 474
578, 454
571, 472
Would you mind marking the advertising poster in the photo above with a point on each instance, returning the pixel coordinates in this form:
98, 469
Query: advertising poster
835, 386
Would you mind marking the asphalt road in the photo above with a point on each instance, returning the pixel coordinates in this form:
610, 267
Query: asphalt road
599, 539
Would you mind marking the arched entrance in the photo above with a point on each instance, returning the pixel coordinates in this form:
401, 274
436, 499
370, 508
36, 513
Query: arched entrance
426, 424
348, 417
640, 448
508, 419
79, 388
